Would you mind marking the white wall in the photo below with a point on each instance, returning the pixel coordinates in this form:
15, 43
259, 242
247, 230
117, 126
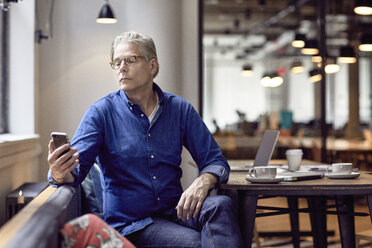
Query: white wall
19, 154
73, 67
21, 68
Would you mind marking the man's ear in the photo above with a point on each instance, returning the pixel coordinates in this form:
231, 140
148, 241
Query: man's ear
154, 65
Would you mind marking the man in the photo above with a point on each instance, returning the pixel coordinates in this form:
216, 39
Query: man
136, 136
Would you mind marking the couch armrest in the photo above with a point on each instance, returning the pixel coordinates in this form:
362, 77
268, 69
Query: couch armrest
38, 223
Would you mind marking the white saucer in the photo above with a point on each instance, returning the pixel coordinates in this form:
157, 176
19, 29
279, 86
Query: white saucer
342, 176
263, 180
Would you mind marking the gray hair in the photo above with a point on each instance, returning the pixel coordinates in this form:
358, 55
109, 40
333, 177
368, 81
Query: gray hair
145, 43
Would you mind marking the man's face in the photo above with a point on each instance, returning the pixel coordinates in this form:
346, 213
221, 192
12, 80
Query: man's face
134, 76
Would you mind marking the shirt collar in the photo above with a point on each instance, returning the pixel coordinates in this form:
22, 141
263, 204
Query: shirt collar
161, 96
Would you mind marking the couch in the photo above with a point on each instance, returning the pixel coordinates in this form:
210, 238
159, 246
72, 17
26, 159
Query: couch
39, 222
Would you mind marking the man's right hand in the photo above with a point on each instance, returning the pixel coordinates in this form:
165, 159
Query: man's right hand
61, 166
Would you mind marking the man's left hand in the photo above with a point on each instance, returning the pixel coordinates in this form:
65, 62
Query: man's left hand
193, 197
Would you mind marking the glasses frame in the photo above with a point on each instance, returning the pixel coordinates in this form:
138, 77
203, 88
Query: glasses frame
126, 61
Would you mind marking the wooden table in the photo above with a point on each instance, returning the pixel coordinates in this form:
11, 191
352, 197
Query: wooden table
315, 190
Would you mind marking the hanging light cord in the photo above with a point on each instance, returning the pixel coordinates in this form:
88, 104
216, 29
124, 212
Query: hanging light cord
51, 18
48, 25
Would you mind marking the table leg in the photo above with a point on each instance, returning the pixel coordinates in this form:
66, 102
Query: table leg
293, 206
318, 220
346, 223
369, 199
247, 205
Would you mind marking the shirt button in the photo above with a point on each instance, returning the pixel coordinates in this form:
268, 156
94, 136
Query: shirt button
154, 177
131, 108
149, 135
142, 115
158, 198
152, 156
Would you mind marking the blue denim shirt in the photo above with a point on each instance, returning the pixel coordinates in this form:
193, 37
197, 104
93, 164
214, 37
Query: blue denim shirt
139, 160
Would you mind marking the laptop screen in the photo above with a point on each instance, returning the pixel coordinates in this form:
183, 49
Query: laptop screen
266, 148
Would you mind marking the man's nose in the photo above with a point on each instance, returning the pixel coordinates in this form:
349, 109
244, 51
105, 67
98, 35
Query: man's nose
123, 66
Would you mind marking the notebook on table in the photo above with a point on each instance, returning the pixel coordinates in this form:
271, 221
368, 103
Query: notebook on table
292, 176
264, 152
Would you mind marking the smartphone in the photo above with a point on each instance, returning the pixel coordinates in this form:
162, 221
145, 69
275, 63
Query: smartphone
60, 139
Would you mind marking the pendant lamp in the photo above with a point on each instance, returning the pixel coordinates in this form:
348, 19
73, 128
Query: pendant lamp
106, 15
299, 41
297, 67
265, 80
363, 7
366, 43
347, 55
331, 66
310, 48
276, 80
315, 75
247, 70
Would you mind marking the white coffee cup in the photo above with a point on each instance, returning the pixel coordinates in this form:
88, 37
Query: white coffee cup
294, 158
267, 172
340, 168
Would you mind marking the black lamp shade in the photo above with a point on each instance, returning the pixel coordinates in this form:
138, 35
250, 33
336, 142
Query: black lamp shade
363, 3
360, 3
366, 39
311, 44
299, 36
106, 15
311, 47
347, 52
247, 68
299, 40
314, 72
315, 75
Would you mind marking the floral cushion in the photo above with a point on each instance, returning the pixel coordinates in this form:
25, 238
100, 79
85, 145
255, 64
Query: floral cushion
91, 231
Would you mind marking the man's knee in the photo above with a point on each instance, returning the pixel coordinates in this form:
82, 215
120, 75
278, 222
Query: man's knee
220, 203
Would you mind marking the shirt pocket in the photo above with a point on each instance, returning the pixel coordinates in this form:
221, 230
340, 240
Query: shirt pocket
127, 145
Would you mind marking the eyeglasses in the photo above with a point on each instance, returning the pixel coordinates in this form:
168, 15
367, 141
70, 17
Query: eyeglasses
131, 60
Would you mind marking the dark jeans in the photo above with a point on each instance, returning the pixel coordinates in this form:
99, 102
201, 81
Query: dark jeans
216, 226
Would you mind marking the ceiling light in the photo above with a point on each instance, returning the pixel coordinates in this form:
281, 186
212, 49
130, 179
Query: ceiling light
299, 40
347, 55
247, 70
297, 67
310, 48
366, 43
106, 16
363, 7
265, 80
316, 59
315, 75
276, 80
271, 80
331, 66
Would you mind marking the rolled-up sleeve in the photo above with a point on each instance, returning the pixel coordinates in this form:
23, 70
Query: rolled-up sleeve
88, 140
203, 148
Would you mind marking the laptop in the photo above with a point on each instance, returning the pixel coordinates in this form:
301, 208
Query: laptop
264, 152
263, 157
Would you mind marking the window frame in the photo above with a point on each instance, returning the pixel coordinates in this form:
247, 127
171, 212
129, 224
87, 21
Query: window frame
4, 72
